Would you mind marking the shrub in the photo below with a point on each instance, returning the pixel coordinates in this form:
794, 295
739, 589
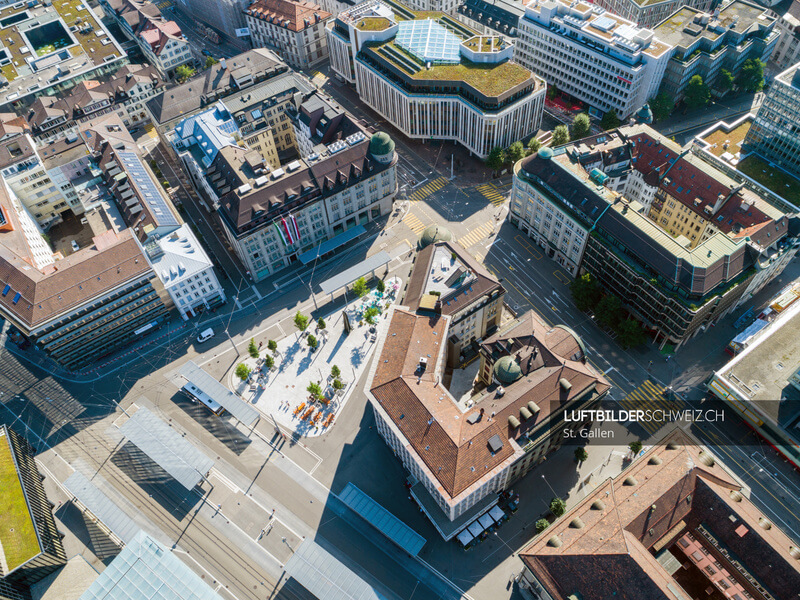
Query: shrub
300, 321
252, 349
635, 446
370, 314
242, 371
558, 507
312, 342
269, 361
541, 525
581, 454
336, 372
314, 390
321, 323
381, 286
360, 287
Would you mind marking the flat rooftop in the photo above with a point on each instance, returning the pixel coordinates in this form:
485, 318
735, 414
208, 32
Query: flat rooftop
725, 139
681, 30
43, 46
771, 177
18, 539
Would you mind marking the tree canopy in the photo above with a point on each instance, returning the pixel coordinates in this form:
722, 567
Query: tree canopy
300, 321
581, 126
585, 292
610, 120
360, 287
751, 77
534, 144
183, 72
242, 371
515, 152
725, 80
609, 311
558, 507
560, 136
662, 106
630, 334
496, 158
697, 93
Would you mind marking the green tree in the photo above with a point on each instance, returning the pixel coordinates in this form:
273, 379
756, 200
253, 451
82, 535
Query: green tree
630, 334
610, 120
273, 346
496, 158
184, 72
515, 152
725, 80
242, 371
269, 361
534, 144
312, 342
381, 286
585, 292
581, 126
751, 77
608, 311
252, 349
314, 390
210, 62
635, 446
337, 384
336, 372
321, 323
541, 525
697, 93
558, 507
360, 287
300, 321
560, 136
370, 314
581, 454
552, 91
662, 106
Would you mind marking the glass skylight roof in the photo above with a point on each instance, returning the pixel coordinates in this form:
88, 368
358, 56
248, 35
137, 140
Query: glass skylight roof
429, 41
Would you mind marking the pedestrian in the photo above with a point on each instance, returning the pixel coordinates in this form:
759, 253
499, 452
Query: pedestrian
260, 344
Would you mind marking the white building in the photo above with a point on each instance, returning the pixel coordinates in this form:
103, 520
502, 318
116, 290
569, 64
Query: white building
165, 46
591, 54
294, 29
412, 72
646, 13
185, 271
787, 52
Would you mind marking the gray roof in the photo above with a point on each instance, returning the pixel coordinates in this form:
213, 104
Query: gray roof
348, 276
97, 503
219, 393
325, 576
504, 15
166, 447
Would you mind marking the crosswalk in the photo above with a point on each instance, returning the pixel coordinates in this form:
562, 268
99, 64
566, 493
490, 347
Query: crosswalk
164, 5
428, 189
650, 396
414, 223
476, 235
491, 193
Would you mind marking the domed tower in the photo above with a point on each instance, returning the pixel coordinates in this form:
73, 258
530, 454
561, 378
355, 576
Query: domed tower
381, 147
506, 370
434, 234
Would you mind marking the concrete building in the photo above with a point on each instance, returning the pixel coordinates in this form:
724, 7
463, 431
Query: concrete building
649, 13
678, 241
490, 17
47, 49
674, 524
54, 117
294, 29
222, 16
704, 43
591, 54
413, 71
30, 543
463, 452
775, 134
185, 271
787, 51
160, 39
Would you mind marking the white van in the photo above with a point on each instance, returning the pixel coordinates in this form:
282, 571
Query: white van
206, 335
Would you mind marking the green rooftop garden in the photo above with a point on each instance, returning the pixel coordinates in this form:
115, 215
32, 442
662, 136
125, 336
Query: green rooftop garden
373, 24
772, 178
17, 531
489, 79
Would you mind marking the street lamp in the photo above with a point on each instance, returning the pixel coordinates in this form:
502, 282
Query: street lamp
230, 318
550, 486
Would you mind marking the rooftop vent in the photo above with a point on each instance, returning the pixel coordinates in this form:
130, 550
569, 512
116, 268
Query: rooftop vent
630, 481
495, 443
555, 542
576, 523
565, 384
513, 421
672, 446
706, 458
598, 505
525, 413
533, 407
654, 460
736, 496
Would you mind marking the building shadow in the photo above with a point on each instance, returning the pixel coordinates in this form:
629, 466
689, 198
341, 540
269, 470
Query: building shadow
218, 426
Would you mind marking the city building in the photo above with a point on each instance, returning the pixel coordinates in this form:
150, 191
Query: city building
185, 271
160, 40
775, 134
272, 215
47, 49
591, 54
462, 452
125, 92
704, 43
647, 13
678, 241
787, 51
435, 78
676, 523
443, 271
489, 17
294, 29
224, 17
30, 543
761, 383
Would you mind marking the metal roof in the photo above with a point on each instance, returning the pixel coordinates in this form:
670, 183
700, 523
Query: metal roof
325, 576
384, 521
150, 192
166, 447
332, 244
219, 393
146, 570
348, 276
97, 503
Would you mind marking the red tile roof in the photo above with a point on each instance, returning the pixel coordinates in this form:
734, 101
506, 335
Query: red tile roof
298, 15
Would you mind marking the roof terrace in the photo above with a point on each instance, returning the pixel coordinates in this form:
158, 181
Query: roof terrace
19, 541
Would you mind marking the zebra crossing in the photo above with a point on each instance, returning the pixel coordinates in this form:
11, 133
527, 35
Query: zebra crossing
428, 189
476, 235
491, 193
164, 5
650, 396
414, 223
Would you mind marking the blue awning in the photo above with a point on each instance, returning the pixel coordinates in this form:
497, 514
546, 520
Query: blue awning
331, 244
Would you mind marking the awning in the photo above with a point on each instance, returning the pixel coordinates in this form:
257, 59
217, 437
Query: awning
219, 393
348, 276
465, 537
331, 244
475, 528
497, 513
97, 503
486, 521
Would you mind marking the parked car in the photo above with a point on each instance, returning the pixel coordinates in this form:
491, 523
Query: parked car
75, 246
205, 335
206, 52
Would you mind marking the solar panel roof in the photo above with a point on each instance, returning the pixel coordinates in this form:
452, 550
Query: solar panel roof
166, 447
428, 41
157, 205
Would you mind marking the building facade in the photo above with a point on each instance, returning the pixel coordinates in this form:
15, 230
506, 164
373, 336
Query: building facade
775, 134
787, 51
649, 14
225, 17
412, 71
591, 54
704, 43
295, 29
